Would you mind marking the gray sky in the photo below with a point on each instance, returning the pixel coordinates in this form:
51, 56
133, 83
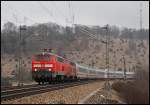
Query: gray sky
120, 13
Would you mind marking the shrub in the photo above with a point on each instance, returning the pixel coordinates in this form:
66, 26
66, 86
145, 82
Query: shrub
136, 91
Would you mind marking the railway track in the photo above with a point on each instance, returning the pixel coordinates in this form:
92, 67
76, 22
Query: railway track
4, 88
36, 89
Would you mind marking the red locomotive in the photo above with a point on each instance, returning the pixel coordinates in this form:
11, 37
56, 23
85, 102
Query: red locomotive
48, 67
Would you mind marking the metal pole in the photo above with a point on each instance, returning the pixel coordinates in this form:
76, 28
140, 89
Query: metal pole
107, 52
107, 84
115, 61
20, 79
19, 60
124, 67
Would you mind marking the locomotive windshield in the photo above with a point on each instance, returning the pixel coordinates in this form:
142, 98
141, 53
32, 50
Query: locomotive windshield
42, 58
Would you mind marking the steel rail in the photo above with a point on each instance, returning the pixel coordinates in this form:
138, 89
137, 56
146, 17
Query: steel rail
18, 93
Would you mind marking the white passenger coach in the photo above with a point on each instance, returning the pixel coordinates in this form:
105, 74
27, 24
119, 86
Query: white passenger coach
91, 73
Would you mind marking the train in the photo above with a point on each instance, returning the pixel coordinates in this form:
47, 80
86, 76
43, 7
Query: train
48, 66
91, 73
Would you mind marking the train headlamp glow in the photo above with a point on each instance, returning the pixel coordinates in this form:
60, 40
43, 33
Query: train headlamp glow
37, 65
49, 69
48, 65
35, 69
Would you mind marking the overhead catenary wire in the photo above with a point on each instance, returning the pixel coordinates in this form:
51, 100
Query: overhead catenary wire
7, 18
58, 9
88, 33
92, 35
48, 11
31, 19
66, 19
19, 12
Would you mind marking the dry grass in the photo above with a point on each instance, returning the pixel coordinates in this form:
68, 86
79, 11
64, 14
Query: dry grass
95, 52
135, 92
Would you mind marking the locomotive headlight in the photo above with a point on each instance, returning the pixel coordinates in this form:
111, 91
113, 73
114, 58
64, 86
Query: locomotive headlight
48, 65
37, 65
49, 69
35, 69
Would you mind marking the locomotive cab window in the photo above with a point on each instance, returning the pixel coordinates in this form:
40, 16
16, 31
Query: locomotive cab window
91, 71
42, 58
59, 59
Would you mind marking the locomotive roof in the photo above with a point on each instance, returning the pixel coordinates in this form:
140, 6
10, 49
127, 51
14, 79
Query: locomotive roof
55, 55
48, 53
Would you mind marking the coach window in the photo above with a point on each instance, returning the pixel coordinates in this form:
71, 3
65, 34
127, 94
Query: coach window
82, 70
60, 59
92, 72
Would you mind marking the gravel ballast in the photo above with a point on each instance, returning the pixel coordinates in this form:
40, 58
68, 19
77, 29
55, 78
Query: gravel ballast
103, 95
100, 98
69, 95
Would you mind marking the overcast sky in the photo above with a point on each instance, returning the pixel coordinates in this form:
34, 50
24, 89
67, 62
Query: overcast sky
120, 13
